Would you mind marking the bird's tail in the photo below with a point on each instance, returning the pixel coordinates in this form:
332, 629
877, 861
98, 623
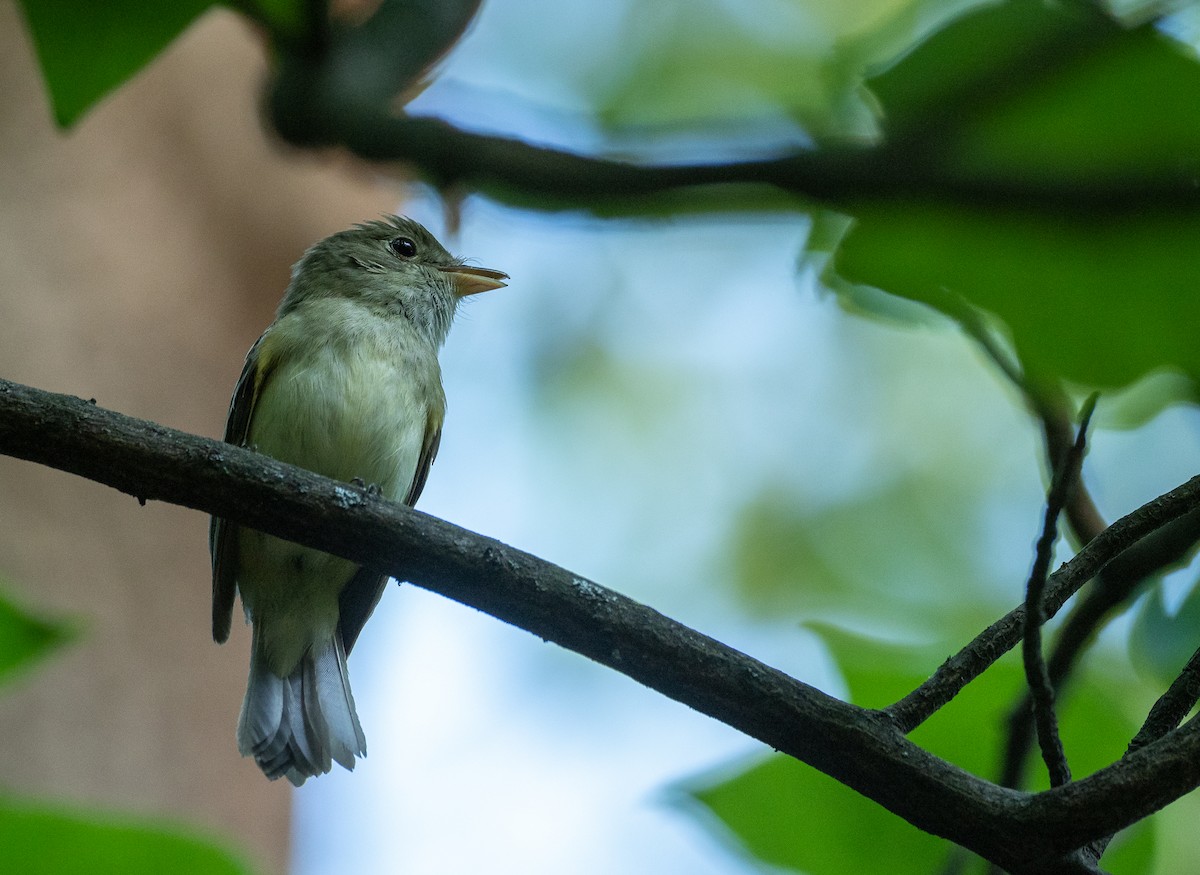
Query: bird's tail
299, 725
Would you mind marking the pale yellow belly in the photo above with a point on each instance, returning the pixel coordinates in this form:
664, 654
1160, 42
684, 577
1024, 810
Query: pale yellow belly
355, 416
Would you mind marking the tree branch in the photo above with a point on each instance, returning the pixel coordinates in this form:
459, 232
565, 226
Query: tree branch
863, 749
1051, 406
341, 92
1112, 545
1116, 583
1041, 690
1167, 713
515, 172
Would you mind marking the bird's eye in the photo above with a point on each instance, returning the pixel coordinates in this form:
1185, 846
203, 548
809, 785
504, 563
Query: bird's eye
403, 247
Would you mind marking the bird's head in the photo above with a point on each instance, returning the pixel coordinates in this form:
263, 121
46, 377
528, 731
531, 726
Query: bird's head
393, 265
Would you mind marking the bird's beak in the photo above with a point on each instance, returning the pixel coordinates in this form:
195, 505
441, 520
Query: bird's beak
473, 280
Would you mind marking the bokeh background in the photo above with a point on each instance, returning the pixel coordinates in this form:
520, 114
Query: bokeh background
676, 406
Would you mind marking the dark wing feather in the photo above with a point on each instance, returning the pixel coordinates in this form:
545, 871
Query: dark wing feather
360, 596
433, 439
222, 535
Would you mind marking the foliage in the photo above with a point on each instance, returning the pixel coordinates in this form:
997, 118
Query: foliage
789, 815
42, 839
88, 49
25, 639
46, 840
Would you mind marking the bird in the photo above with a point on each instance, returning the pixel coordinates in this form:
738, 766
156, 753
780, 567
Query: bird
345, 382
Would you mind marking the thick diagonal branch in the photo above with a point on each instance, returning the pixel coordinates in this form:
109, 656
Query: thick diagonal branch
863, 749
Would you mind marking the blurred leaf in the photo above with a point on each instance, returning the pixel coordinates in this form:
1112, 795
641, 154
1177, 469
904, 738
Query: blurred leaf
828, 230
1160, 644
757, 71
24, 639
707, 69
280, 16
1063, 285
40, 840
87, 49
1133, 851
724, 66
987, 52
1031, 92
1095, 715
1088, 118
877, 671
1141, 402
895, 547
788, 814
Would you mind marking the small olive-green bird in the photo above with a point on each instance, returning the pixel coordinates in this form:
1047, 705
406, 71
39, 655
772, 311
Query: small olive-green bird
345, 382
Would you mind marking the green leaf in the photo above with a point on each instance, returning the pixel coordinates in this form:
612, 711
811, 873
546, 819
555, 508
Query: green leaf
1097, 716
1141, 402
788, 554
788, 814
1100, 301
87, 49
773, 806
1032, 94
1132, 852
282, 17
713, 64
24, 638
41, 840
983, 55
1160, 644
824, 237
1090, 121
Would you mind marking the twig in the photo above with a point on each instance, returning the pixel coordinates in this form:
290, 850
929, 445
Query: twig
1077, 630
1050, 406
1116, 583
1110, 546
1036, 675
1168, 712
1084, 519
1174, 705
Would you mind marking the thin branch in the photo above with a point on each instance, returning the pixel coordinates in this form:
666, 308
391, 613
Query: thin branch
336, 100
1119, 580
1041, 690
1168, 712
1170, 709
516, 172
1085, 521
1114, 585
1110, 546
863, 749
1083, 516
1050, 406
1079, 628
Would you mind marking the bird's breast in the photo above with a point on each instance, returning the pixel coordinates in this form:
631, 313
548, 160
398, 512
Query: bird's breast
351, 395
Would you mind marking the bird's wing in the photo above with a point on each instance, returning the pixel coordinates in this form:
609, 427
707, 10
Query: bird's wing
429, 448
360, 596
222, 535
